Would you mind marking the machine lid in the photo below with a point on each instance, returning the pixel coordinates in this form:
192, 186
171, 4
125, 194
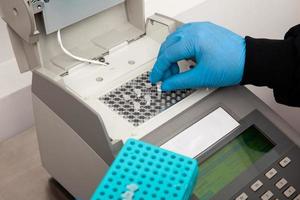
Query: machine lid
20, 18
58, 14
30, 24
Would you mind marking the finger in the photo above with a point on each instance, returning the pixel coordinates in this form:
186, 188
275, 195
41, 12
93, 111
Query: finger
174, 53
170, 40
167, 74
185, 80
174, 37
174, 69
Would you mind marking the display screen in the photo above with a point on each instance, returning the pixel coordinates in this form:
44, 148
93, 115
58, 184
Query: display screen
230, 161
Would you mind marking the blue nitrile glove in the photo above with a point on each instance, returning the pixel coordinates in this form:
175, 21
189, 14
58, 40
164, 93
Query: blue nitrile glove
218, 52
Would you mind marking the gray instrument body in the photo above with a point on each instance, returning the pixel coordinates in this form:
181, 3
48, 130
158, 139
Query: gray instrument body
238, 101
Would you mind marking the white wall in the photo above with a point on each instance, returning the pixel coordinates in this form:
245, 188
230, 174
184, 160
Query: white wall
169, 7
5, 47
15, 97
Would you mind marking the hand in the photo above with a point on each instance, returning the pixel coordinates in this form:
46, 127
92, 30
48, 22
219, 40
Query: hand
218, 52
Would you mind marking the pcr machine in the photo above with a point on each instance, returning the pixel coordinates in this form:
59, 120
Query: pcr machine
85, 110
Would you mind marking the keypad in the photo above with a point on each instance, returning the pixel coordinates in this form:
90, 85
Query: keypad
284, 162
282, 188
242, 196
281, 183
289, 192
271, 173
255, 186
268, 195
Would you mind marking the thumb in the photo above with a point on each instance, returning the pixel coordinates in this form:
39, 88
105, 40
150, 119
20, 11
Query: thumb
185, 80
170, 55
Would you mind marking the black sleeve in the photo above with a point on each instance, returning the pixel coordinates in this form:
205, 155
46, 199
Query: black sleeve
276, 64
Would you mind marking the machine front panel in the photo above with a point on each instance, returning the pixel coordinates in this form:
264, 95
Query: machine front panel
243, 164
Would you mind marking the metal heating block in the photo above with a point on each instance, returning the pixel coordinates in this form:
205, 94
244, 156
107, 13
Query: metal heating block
138, 100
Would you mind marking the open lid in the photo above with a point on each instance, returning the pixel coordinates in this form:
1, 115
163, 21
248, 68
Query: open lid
58, 14
31, 25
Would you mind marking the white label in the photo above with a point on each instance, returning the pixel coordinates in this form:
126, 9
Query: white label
201, 135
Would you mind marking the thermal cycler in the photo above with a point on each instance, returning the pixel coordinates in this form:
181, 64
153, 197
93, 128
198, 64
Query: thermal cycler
85, 111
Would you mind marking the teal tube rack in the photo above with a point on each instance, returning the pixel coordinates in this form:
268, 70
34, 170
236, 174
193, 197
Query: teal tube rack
155, 174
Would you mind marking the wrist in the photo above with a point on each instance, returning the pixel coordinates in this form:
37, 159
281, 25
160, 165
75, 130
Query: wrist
267, 61
241, 67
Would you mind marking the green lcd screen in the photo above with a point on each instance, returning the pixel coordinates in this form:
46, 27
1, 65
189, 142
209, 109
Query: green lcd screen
230, 161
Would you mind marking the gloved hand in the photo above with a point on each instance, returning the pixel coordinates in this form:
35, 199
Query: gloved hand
218, 52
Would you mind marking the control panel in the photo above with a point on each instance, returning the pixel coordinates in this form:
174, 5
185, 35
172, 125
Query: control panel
279, 181
255, 161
